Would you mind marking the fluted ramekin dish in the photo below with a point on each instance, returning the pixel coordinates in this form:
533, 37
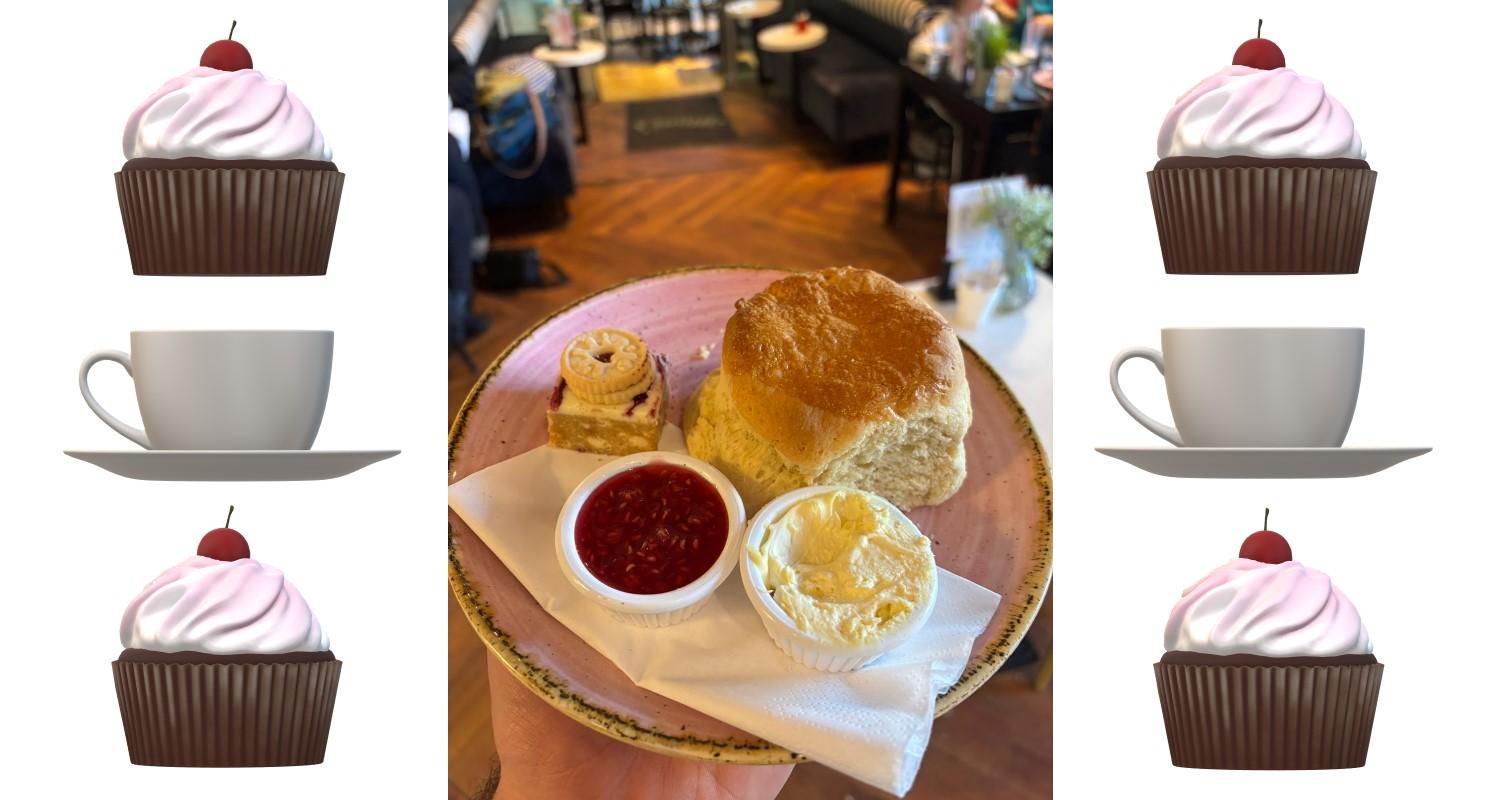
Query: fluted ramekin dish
806, 649
665, 608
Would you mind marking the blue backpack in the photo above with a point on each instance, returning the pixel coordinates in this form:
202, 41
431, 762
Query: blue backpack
519, 114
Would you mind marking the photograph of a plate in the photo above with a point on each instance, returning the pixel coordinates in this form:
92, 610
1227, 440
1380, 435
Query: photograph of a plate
232, 465
997, 531
1264, 462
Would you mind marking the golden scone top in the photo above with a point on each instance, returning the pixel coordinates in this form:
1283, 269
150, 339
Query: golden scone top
832, 347
845, 340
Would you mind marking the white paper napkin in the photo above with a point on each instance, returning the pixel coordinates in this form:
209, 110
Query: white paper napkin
872, 724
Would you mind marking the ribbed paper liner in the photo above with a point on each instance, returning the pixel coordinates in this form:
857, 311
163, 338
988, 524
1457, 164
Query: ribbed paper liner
226, 715
1268, 717
229, 220
1270, 220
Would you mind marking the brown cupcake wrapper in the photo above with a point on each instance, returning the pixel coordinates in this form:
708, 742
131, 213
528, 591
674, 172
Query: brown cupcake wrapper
1262, 220
226, 715
229, 220
1268, 717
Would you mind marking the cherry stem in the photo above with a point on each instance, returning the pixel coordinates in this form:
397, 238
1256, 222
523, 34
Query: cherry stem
235, 22
1258, 23
231, 513
1265, 523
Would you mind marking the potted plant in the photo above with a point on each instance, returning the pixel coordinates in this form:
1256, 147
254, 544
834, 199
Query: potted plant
988, 41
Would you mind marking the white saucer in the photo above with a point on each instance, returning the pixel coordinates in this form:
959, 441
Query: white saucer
231, 465
1263, 462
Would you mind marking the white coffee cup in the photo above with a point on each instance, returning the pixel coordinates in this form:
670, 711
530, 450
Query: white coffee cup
222, 390
1253, 387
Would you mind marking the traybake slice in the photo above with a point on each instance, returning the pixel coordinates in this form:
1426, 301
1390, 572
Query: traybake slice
610, 396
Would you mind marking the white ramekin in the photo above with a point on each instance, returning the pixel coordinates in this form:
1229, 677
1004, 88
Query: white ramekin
650, 610
806, 649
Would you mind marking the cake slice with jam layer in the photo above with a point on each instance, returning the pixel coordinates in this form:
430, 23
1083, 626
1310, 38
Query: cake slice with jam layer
610, 396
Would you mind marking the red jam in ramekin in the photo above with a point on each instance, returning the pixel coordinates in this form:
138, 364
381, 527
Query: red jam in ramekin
651, 529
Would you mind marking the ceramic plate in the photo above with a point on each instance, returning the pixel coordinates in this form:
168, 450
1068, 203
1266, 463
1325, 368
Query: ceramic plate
997, 531
232, 465
1264, 462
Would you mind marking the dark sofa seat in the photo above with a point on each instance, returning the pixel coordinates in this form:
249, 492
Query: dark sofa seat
848, 90
849, 86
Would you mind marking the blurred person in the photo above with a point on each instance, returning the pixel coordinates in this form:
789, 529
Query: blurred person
947, 33
468, 236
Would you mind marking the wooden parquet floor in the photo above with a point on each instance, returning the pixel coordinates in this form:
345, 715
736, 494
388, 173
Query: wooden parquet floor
777, 196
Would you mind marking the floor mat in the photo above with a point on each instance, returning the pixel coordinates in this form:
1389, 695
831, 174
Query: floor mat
681, 122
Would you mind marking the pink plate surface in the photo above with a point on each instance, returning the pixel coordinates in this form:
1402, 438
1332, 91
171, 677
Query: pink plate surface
997, 531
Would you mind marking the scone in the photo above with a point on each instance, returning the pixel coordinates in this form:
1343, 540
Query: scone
610, 396
835, 377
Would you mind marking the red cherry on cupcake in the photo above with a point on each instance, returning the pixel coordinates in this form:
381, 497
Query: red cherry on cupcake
224, 544
1266, 546
1258, 53
227, 54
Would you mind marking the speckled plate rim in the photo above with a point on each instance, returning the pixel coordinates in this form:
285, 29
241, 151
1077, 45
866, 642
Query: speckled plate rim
559, 694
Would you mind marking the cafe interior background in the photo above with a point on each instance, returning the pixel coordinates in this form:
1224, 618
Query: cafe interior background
596, 141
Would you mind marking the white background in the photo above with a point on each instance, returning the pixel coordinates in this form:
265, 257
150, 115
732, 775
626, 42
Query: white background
366, 550
1413, 547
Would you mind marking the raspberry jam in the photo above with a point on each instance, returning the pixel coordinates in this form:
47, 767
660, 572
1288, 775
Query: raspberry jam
652, 529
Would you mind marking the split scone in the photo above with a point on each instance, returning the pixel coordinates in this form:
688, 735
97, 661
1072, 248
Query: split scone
610, 397
836, 377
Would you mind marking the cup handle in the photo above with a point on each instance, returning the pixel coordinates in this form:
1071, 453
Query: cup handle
132, 433
1154, 356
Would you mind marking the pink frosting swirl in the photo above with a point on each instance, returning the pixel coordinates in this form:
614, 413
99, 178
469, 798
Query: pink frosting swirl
1266, 113
221, 607
1277, 610
210, 113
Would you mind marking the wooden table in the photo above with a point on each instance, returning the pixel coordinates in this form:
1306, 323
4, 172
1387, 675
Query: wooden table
978, 127
733, 13
785, 38
586, 52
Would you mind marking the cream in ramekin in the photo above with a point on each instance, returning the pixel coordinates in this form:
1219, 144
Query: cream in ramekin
839, 576
629, 536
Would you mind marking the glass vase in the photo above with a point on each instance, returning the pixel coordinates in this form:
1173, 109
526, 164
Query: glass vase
1020, 283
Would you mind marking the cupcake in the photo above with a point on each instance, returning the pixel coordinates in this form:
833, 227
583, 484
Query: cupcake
1260, 171
1268, 666
227, 174
224, 665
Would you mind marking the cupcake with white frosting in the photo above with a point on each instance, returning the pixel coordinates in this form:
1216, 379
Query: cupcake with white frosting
226, 173
1260, 170
1267, 666
224, 665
